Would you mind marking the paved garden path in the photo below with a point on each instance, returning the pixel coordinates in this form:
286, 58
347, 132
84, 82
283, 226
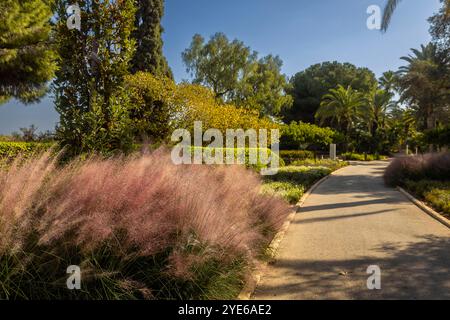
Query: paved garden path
352, 221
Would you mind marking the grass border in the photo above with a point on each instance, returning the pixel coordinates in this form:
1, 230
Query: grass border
250, 286
428, 210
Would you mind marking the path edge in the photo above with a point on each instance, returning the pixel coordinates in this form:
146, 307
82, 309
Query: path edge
425, 208
274, 245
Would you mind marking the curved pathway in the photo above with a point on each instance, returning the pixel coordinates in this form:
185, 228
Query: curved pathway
352, 221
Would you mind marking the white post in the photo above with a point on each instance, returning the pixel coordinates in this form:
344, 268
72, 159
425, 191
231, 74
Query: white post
333, 152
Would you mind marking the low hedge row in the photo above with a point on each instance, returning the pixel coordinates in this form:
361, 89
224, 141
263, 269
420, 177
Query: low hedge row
362, 156
212, 152
10, 150
290, 156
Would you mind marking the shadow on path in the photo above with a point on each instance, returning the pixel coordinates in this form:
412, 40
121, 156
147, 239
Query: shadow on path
418, 270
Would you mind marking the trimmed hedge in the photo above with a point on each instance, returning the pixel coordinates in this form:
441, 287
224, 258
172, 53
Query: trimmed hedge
10, 150
362, 157
258, 166
290, 156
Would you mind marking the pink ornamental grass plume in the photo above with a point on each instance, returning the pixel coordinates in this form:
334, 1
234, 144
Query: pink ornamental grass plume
139, 206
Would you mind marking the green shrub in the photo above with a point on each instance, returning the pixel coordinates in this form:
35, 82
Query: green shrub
290, 156
11, 150
436, 193
291, 182
291, 192
258, 166
334, 165
303, 135
362, 156
439, 199
305, 176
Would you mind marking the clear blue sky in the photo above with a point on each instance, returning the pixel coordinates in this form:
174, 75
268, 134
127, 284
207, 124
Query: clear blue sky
301, 32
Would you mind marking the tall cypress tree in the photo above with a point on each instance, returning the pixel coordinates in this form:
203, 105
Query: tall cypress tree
149, 45
26, 62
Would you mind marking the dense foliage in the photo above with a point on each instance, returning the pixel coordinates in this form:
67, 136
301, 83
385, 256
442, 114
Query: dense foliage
147, 35
310, 85
436, 193
89, 90
27, 62
291, 182
236, 75
291, 156
10, 150
304, 135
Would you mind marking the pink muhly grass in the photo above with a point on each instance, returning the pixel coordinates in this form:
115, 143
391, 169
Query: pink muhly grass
141, 205
429, 166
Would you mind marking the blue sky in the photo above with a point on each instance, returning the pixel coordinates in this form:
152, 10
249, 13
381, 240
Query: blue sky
301, 32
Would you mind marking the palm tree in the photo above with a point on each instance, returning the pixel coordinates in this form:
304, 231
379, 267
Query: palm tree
390, 7
388, 81
423, 83
342, 106
379, 102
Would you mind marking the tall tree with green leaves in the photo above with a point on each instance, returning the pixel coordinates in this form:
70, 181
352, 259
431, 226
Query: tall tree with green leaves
440, 29
263, 87
27, 62
218, 64
147, 34
310, 85
235, 74
89, 86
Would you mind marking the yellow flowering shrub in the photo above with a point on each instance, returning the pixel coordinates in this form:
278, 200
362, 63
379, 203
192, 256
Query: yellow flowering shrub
160, 106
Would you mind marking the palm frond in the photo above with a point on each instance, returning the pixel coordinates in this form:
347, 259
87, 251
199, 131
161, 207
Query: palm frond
389, 9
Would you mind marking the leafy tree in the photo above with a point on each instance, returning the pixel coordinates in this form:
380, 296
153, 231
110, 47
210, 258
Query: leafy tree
198, 103
153, 107
236, 75
263, 87
343, 106
299, 136
218, 64
26, 61
310, 85
147, 34
439, 136
89, 89
440, 29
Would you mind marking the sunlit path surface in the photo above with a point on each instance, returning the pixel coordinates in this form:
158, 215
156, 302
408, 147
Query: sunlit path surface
353, 221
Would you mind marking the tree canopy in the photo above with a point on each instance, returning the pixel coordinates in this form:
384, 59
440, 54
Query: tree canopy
89, 85
236, 75
27, 62
310, 85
